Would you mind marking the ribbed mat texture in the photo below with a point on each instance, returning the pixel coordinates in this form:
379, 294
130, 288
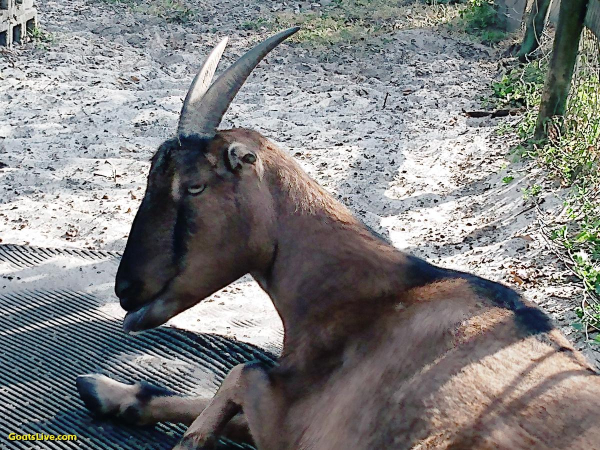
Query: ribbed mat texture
48, 338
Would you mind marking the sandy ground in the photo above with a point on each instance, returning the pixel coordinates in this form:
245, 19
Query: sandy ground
83, 115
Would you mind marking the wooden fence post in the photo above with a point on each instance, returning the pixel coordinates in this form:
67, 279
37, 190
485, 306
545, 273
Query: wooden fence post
536, 20
564, 54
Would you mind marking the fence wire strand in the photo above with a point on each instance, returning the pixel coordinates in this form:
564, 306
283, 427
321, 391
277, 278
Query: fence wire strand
575, 154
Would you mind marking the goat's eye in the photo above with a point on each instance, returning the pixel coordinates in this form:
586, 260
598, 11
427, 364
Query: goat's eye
196, 190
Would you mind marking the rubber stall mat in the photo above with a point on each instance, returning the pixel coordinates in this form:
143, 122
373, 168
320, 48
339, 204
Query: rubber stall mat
24, 256
48, 338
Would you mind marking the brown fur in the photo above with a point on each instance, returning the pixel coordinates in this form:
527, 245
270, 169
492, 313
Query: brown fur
381, 350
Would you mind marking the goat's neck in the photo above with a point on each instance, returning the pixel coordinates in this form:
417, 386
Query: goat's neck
329, 277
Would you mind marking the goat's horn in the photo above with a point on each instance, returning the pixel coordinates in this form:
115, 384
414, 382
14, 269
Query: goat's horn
202, 80
202, 112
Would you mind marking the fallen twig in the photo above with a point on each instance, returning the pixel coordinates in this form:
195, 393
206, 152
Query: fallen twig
494, 114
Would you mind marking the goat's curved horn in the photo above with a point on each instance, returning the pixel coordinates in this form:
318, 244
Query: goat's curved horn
203, 79
202, 112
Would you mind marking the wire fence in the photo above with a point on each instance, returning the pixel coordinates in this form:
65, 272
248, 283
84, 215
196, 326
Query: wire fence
581, 140
592, 19
572, 153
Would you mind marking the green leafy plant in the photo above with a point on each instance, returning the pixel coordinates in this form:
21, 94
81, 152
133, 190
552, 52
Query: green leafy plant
521, 87
508, 179
41, 38
587, 319
532, 191
480, 18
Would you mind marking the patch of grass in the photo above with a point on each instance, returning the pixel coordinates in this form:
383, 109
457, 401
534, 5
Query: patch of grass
41, 38
173, 11
124, 2
324, 29
353, 21
40, 35
340, 21
255, 24
480, 18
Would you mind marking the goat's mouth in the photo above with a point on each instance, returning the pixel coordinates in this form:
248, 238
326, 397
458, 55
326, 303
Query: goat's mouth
173, 299
151, 315
156, 311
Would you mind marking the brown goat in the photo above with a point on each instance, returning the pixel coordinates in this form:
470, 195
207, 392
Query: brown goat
381, 349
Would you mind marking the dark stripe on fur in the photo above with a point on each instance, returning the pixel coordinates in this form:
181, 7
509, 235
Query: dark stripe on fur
531, 319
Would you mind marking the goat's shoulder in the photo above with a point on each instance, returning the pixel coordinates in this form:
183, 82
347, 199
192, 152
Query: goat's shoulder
468, 292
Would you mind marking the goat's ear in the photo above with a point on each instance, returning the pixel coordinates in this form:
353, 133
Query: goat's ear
238, 155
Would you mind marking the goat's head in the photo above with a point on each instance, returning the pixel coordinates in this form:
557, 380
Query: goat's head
204, 220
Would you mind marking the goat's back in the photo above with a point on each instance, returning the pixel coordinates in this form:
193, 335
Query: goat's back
453, 371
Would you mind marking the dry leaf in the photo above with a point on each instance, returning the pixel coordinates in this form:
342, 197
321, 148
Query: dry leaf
516, 278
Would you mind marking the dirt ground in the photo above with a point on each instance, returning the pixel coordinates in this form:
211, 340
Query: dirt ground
381, 127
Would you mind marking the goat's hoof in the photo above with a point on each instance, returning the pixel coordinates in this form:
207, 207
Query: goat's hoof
106, 397
89, 387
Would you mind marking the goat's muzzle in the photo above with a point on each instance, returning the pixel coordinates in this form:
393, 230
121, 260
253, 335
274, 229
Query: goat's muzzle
126, 292
151, 315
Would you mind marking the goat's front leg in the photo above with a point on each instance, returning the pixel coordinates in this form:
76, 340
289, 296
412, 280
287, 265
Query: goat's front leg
144, 404
246, 388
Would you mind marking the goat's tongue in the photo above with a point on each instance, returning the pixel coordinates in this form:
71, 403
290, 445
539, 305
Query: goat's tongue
149, 316
134, 320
